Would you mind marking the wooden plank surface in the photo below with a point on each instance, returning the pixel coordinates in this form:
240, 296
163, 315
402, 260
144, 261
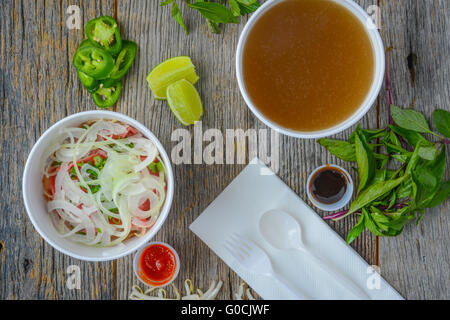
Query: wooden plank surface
418, 261
38, 86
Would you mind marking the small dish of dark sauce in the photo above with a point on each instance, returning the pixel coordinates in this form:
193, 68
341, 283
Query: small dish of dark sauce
330, 187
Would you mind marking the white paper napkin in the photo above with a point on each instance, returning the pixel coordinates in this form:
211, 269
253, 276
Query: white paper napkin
239, 208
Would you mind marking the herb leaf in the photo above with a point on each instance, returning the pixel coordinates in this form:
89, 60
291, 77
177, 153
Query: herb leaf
375, 191
246, 7
442, 193
234, 6
176, 15
356, 231
412, 137
214, 11
442, 121
365, 160
341, 149
410, 119
428, 153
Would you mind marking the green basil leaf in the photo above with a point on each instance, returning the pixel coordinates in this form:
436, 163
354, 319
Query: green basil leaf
398, 223
428, 153
234, 6
410, 119
442, 121
414, 159
214, 11
375, 191
356, 231
176, 15
394, 139
248, 8
246, 2
341, 149
213, 26
398, 149
371, 225
410, 136
403, 158
404, 190
437, 166
380, 175
366, 161
369, 134
424, 178
437, 169
380, 219
442, 194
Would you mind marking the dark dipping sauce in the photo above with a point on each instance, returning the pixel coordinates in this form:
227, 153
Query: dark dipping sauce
328, 185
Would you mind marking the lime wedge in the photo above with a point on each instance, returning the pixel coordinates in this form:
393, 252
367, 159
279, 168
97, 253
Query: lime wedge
169, 72
184, 101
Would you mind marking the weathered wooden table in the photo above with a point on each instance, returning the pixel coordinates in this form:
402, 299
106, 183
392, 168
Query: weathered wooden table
39, 86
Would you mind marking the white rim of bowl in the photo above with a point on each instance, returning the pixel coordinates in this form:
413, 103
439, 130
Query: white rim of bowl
341, 203
379, 56
143, 129
138, 255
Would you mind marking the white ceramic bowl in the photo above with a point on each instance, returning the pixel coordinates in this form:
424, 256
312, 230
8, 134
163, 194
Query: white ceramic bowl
35, 203
377, 82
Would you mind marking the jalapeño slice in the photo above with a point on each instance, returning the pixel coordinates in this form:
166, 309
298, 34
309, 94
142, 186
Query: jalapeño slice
124, 60
107, 97
94, 62
107, 83
104, 32
88, 82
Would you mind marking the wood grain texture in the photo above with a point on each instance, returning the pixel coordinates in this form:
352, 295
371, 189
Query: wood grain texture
417, 262
38, 86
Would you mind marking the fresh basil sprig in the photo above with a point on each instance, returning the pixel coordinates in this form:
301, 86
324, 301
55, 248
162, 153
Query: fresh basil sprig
402, 178
215, 13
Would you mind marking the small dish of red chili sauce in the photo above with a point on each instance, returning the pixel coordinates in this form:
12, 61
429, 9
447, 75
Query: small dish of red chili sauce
157, 264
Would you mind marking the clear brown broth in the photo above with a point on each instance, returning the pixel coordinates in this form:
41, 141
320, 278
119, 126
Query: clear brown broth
308, 64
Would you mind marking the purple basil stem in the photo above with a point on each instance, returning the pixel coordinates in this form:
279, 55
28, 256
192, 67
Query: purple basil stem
339, 214
336, 215
388, 88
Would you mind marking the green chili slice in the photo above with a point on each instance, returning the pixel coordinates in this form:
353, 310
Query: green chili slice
104, 32
124, 60
107, 97
94, 62
88, 82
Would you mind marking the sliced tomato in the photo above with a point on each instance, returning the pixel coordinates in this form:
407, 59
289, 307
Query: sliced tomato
114, 221
145, 206
129, 133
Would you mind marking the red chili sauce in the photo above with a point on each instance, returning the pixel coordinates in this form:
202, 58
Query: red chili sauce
157, 265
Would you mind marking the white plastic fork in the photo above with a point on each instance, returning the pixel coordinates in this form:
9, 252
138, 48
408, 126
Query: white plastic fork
256, 260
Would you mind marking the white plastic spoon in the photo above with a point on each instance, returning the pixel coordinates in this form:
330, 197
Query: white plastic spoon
283, 232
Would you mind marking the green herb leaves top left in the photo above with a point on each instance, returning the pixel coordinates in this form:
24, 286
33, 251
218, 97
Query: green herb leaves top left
103, 59
215, 13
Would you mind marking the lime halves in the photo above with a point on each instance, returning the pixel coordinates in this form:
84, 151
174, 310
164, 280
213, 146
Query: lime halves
184, 101
169, 72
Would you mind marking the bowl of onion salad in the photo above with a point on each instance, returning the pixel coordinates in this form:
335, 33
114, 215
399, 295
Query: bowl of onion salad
107, 185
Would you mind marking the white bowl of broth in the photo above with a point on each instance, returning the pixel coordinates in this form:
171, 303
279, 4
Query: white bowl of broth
36, 202
310, 68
